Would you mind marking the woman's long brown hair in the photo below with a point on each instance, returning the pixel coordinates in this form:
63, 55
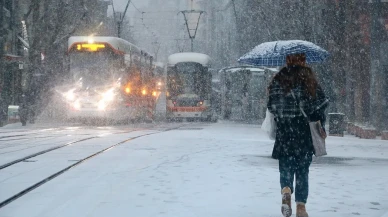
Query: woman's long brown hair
296, 73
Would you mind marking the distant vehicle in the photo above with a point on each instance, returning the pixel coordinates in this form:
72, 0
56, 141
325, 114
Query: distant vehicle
109, 78
159, 74
189, 87
244, 92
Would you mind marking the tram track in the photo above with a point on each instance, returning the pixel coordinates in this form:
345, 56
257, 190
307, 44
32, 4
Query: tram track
56, 148
78, 162
18, 135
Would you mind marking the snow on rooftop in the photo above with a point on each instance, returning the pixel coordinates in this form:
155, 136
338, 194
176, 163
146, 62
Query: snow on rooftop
200, 58
236, 69
116, 43
273, 69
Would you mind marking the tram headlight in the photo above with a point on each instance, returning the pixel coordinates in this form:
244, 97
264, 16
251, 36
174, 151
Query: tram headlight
144, 92
128, 90
108, 95
77, 105
102, 105
70, 95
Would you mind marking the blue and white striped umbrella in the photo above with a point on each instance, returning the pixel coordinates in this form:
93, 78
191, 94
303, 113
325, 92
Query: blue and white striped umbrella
274, 53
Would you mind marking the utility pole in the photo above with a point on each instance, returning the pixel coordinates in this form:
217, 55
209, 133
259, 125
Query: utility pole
192, 31
237, 28
121, 19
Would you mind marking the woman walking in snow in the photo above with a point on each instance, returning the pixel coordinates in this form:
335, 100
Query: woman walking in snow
292, 86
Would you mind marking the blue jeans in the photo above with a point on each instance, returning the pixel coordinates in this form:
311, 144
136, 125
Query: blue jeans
298, 167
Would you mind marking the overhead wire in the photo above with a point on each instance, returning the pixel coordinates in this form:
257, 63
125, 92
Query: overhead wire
142, 18
155, 18
156, 43
133, 4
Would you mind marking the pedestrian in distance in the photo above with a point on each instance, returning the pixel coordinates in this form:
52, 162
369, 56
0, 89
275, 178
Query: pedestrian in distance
293, 86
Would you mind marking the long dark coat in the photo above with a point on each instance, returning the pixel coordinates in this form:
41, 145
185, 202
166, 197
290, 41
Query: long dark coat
293, 136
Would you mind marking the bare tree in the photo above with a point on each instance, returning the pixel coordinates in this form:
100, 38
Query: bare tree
51, 24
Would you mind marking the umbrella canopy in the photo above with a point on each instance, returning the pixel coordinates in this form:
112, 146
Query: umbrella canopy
274, 53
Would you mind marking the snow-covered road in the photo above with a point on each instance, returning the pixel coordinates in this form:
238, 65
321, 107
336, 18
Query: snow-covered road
198, 169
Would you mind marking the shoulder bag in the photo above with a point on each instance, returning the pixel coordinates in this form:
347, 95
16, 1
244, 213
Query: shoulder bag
318, 135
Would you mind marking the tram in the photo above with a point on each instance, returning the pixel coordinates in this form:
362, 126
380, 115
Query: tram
244, 92
189, 87
108, 78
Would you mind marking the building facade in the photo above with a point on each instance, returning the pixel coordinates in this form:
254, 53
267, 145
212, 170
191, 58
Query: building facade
11, 55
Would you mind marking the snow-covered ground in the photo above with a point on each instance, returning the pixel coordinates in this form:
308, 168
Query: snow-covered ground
200, 169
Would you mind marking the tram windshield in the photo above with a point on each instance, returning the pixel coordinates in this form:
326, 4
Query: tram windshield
94, 68
189, 79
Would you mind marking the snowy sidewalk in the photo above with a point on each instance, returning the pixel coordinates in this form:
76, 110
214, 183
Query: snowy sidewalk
208, 170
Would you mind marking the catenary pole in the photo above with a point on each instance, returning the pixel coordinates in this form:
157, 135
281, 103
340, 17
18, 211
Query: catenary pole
121, 20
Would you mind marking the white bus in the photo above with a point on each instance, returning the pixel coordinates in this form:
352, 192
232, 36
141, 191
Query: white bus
109, 78
189, 87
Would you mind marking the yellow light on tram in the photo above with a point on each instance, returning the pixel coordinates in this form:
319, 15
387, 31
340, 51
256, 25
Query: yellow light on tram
154, 93
90, 47
128, 90
144, 92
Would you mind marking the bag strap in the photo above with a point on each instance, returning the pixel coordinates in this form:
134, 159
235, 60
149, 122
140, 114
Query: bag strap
300, 107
